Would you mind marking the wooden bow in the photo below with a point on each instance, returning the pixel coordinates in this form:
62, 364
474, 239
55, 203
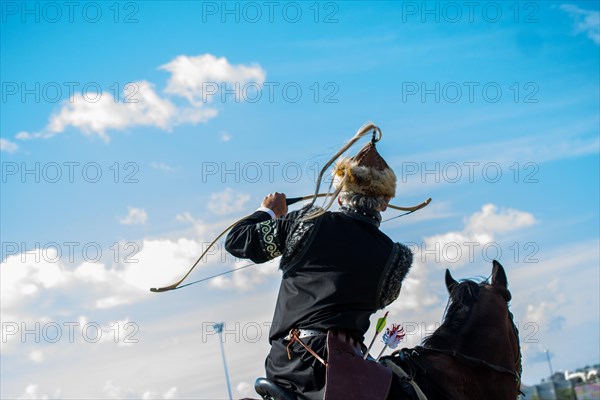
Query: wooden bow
289, 201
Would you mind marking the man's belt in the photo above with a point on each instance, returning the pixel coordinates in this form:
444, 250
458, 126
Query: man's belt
294, 336
304, 333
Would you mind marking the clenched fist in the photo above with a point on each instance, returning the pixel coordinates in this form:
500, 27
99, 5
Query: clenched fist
276, 202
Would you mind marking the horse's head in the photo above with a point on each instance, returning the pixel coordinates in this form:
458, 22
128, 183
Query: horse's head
478, 322
499, 282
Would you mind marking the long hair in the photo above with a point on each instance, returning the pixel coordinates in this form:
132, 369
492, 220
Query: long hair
357, 200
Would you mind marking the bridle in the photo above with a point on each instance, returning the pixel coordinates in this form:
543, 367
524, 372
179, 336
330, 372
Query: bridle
515, 372
477, 361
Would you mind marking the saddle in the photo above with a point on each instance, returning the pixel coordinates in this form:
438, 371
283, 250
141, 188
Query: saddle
271, 391
348, 375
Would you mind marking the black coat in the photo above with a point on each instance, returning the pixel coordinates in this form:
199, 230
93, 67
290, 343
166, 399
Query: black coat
338, 269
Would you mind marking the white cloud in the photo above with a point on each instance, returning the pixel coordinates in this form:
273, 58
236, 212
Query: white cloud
36, 356
586, 21
92, 272
112, 301
135, 216
494, 221
24, 275
199, 226
31, 392
35, 283
555, 298
161, 262
416, 293
545, 315
141, 105
225, 136
227, 202
195, 78
23, 135
112, 391
178, 336
244, 388
8, 146
423, 295
170, 394
459, 247
161, 166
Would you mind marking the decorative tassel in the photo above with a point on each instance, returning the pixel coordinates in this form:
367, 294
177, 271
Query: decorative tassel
392, 338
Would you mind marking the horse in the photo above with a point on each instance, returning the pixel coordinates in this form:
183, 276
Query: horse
473, 355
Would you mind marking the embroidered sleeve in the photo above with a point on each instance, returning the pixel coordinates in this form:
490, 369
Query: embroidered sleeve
260, 238
270, 242
397, 267
254, 238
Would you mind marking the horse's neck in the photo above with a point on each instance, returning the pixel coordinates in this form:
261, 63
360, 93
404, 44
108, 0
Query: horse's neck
454, 377
489, 340
443, 376
486, 339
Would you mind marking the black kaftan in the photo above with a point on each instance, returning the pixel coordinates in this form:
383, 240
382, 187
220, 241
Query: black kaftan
338, 269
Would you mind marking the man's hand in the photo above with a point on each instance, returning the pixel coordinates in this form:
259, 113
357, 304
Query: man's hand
276, 202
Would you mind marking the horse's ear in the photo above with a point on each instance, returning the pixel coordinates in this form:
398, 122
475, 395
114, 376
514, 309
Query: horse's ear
450, 281
498, 275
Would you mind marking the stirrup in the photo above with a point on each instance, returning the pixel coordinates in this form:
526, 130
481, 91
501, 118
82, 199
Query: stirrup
271, 391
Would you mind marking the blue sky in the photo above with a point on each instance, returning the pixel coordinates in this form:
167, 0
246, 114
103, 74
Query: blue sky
499, 103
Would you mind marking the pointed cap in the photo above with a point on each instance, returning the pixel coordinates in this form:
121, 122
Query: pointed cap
369, 157
366, 173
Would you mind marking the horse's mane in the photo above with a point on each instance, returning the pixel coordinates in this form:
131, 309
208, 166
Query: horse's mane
460, 305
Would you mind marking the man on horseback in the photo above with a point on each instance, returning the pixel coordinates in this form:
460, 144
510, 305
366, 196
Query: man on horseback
338, 268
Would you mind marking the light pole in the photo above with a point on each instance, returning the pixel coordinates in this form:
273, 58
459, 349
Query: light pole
219, 329
549, 363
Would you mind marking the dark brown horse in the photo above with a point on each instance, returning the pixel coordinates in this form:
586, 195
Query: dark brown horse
475, 353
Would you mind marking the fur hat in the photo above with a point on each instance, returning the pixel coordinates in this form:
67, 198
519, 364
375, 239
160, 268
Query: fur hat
366, 173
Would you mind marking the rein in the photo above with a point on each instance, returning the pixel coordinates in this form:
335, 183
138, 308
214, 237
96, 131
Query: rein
474, 360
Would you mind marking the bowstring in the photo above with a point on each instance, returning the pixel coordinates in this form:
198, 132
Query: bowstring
253, 263
216, 275
398, 216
